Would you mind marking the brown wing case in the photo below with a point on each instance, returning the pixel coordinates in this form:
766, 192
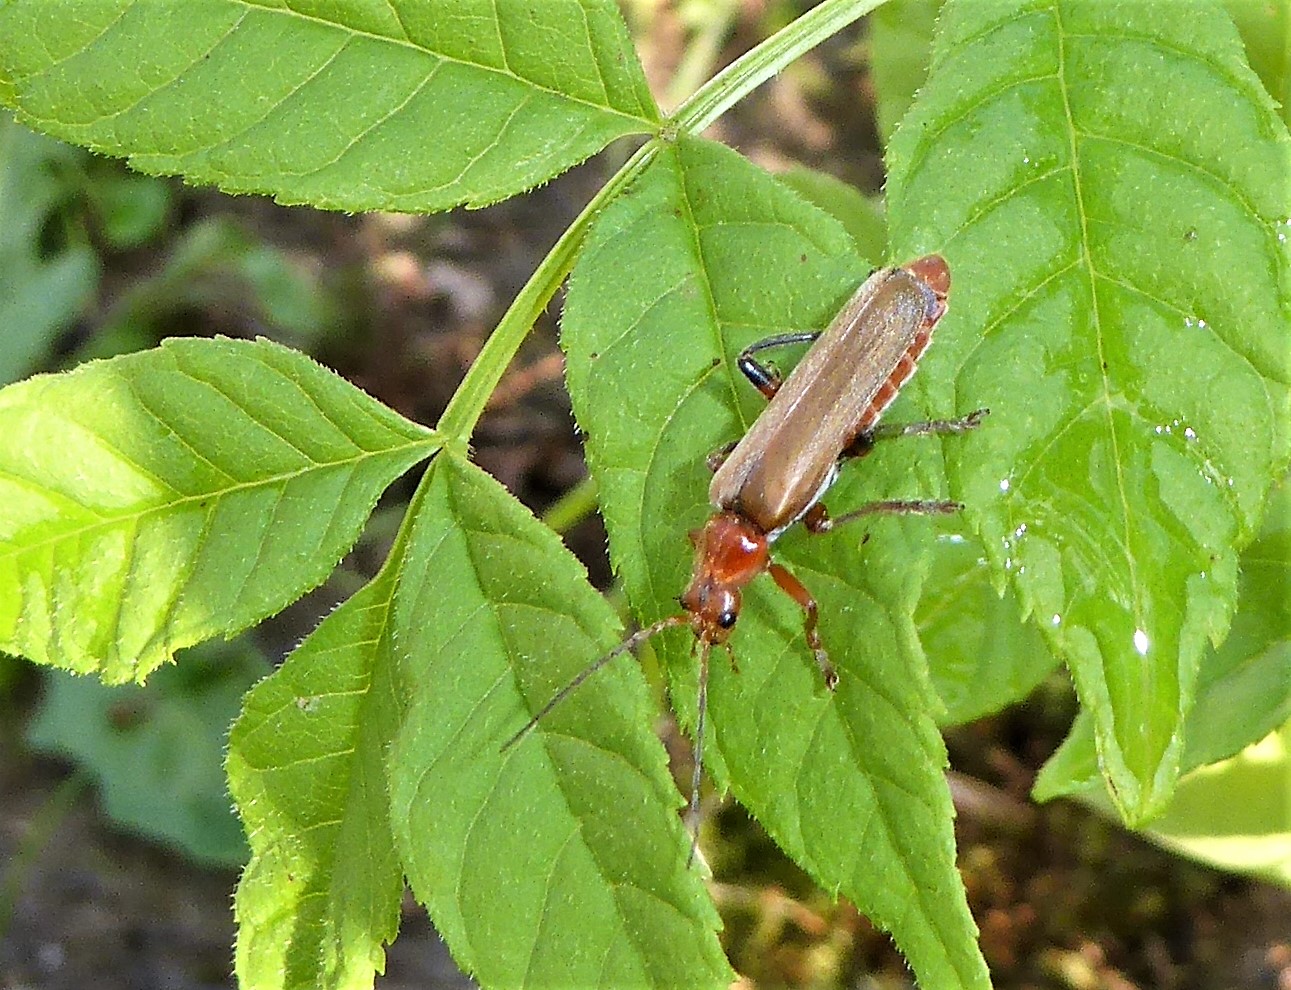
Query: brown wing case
839, 388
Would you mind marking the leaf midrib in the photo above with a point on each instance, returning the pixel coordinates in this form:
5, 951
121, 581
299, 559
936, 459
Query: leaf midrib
135, 516
1097, 325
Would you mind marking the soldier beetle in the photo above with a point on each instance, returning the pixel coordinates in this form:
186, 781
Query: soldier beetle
825, 412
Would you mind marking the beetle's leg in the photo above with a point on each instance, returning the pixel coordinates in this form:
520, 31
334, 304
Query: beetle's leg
933, 426
796, 590
865, 441
817, 519
718, 457
767, 380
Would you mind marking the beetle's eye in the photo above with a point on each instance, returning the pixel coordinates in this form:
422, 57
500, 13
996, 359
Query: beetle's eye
727, 618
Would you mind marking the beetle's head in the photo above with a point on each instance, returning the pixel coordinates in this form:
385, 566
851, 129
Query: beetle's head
730, 551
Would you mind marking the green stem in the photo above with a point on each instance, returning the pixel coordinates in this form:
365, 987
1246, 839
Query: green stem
707, 104
759, 64
573, 507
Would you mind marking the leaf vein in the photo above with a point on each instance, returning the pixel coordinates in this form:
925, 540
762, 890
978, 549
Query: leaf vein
930, 139
101, 521
1096, 313
649, 124
1227, 185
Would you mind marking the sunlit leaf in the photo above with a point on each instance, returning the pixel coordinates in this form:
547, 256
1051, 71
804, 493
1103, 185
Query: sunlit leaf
368, 104
1236, 814
1244, 686
560, 862
320, 898
1109, 186
162, 498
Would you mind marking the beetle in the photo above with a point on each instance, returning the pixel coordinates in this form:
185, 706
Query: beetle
824, 413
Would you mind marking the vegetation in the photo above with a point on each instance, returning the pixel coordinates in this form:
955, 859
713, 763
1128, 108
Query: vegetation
1109, 187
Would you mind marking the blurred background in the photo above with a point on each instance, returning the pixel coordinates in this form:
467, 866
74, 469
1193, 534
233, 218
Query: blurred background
118, 848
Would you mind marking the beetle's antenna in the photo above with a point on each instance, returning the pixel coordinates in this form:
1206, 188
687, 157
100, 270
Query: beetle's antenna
631, 643
692, 813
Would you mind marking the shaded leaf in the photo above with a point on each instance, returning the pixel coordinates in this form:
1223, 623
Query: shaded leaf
981, 655
214, 266
900, 48
376, 104
1109, 185
131, 209
705, 254
40, 292
861, 216
163, 498
1244, 688
1265, 26
562, 861
157, 750
1073, 766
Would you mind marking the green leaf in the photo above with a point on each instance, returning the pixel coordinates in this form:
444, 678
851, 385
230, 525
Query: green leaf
560, 862
900, 47
1236, 814
213, 263
1073, 767
40, 292
1265, 26
130, 209
1244, 686
372, 104
981, 654
159, 499
1109, 186
320, 898
861, 215
705, 254
157, 751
